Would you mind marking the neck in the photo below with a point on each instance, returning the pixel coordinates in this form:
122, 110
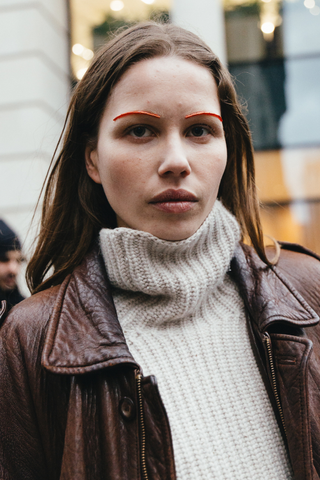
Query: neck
175, 277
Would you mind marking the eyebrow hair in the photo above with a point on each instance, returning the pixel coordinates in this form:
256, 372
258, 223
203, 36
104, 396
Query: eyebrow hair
141, 112
204, 113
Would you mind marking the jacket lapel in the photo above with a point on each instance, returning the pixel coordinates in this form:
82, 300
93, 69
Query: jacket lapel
274, 304
268, 294
84, 333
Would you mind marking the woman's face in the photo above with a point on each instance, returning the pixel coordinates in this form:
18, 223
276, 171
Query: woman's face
161, 169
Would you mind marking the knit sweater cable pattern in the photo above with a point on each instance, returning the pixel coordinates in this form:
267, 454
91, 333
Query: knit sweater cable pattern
184, 322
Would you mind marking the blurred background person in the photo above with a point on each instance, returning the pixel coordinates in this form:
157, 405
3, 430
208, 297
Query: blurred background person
10, 263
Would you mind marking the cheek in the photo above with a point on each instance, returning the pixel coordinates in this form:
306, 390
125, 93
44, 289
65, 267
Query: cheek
121, 176
115, 174
221, 160
214, 166
3, 271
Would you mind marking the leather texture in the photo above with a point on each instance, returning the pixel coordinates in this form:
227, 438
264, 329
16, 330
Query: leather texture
69, 405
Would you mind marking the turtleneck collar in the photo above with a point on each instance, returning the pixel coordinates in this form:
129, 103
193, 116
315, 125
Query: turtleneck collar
172, 277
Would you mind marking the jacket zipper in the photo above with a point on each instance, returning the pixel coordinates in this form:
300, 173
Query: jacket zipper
267, 340
142, 430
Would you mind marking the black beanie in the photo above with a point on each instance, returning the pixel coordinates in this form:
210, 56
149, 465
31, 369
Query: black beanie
8, 239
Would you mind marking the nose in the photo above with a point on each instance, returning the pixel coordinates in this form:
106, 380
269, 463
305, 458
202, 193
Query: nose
174, 159
13, 267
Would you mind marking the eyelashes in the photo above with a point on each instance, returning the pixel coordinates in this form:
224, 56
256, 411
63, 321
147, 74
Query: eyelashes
140, 131
197, 131
144, 131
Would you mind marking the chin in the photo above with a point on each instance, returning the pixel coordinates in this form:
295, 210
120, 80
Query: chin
6, 288
175, 234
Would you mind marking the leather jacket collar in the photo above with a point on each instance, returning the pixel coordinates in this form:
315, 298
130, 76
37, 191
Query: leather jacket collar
84, 333
268, 294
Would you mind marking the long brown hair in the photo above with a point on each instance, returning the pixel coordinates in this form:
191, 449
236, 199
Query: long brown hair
75, 208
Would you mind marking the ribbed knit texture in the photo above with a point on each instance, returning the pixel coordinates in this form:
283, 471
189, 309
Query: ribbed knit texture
184, 322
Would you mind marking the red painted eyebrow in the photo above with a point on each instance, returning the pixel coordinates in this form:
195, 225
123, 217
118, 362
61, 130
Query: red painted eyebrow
204, 113
141, 112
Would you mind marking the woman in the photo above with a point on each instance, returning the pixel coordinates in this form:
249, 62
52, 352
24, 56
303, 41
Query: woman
157, 157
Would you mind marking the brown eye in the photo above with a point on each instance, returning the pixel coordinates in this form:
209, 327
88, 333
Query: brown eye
140, 132
198, 131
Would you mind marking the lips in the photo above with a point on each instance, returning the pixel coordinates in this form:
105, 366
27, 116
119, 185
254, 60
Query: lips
172, 195
174, 201
10, 282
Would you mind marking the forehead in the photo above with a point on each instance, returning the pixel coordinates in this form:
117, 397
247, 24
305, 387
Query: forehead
164, 82
10, 256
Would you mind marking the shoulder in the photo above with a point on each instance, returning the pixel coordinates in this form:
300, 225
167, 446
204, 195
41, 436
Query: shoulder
30, 317
299, 263
302, 267
297, 268
22, 339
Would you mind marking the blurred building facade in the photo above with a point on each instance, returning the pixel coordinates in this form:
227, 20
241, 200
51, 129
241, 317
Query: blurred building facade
35, 88
272, 48
274, 56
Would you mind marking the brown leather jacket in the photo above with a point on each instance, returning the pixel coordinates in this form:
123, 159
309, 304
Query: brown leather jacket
73, 405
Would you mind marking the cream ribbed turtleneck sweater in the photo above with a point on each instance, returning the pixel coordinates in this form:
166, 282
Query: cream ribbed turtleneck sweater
184, 322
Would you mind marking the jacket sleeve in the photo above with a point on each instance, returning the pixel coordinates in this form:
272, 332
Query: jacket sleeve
33, 402
21, 450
